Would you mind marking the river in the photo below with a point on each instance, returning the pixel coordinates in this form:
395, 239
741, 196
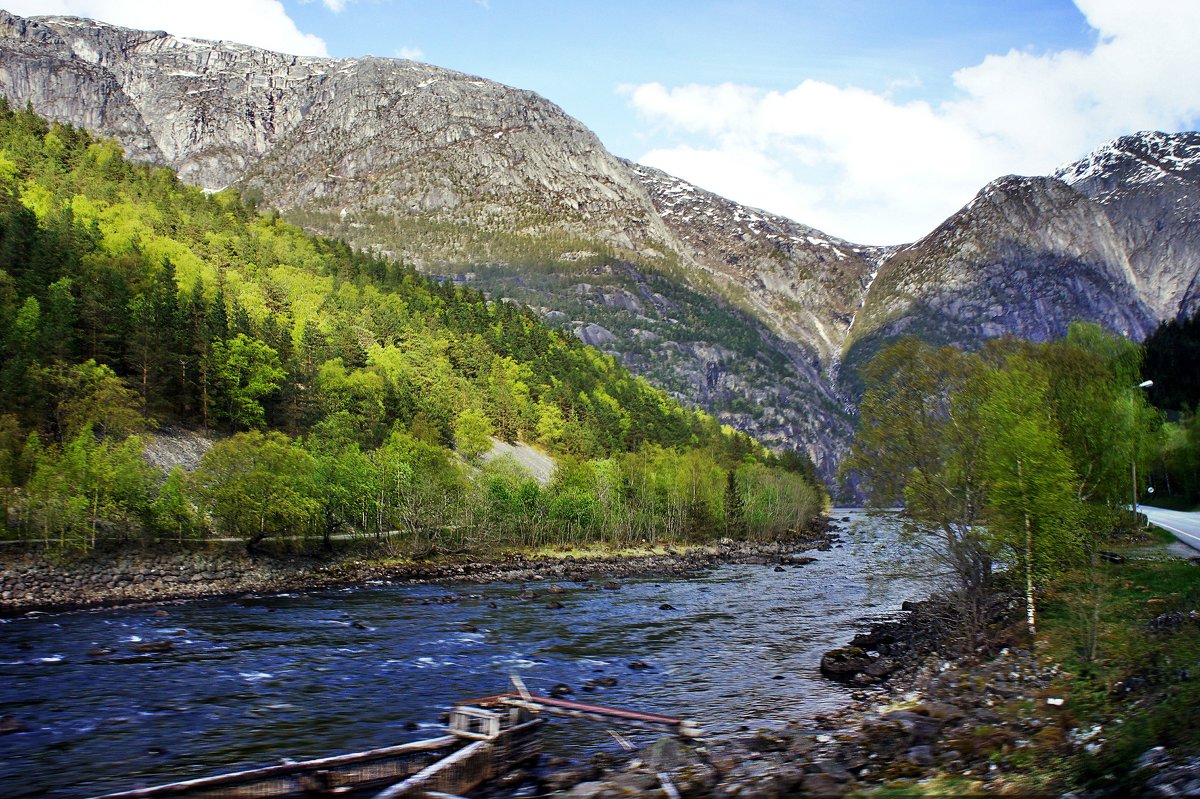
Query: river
256, 679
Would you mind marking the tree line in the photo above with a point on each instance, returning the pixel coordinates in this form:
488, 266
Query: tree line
1172, 361
370, 392
1019, 455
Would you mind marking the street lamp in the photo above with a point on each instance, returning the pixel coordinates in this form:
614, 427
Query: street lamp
1133, 465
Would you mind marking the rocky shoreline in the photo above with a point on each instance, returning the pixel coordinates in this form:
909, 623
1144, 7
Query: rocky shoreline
33, 582
909, 716
928, 720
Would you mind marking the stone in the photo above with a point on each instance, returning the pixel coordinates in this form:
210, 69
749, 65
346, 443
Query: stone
942, 711
845, 662
823, 786
921, 755
666, 754
588, 790
881, 667
154, 646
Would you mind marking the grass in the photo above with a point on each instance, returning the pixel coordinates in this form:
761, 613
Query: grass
1140, 684
1161, 536
1129, 685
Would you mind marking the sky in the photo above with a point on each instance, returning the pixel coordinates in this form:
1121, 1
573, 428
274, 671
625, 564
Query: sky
872, 120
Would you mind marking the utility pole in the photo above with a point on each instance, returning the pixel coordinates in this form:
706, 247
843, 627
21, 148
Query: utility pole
1133, 463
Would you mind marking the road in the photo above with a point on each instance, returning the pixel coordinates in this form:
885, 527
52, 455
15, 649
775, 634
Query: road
1183, 525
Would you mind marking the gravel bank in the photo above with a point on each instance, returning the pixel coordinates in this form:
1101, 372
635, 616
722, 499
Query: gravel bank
31, 582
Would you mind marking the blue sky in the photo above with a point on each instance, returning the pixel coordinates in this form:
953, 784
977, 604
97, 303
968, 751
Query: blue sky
870, 120
578, 54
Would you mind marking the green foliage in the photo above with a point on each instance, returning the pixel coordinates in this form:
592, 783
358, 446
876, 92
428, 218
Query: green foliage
1021, 451
772, 503
245, 371
86, 487
1172, 360
90, 395
259, 485
1141, 688
472, 434
128, 299
172, 512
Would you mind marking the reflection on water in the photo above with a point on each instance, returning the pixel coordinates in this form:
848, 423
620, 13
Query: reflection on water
306, 675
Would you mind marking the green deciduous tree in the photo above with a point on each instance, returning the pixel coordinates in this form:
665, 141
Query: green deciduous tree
91, 395
259, 485
919, 442
88, 486
245, 371
472, 434
172, 511
1034, 509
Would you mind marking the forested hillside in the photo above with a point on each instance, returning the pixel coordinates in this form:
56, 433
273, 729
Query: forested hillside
358, 393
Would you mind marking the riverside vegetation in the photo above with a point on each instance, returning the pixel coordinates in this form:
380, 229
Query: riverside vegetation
349, 394
1019, 459
1061, 657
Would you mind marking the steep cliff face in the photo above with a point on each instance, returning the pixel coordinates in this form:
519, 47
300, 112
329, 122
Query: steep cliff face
1149, 187
809, 284
1026, 257
370, 133
1113, 238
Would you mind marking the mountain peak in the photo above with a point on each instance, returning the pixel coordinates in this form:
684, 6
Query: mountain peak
1142, 157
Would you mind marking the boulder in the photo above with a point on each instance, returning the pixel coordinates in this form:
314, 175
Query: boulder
823, 786
845, 662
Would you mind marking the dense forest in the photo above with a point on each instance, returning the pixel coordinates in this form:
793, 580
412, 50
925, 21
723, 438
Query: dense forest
1172, 361
349, 393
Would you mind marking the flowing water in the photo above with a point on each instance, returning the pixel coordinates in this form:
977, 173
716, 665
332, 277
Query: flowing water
253, 680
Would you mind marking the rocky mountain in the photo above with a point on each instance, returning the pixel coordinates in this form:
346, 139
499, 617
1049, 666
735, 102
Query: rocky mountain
1149, 188
1113, 238
760, 319
486, 184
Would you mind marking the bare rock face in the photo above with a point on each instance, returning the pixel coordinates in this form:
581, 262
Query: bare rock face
809, 284
1026, 257
1113, 238
369, 133
1149, 187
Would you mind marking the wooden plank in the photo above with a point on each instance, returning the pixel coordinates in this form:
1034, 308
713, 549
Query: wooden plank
609, 712
285, 769
415, 781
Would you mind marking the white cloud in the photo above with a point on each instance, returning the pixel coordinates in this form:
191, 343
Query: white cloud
411, 53
861, 165
336, 6
262, 23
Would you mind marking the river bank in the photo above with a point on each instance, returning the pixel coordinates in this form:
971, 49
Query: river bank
156, 693
37, 582
1009, 719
